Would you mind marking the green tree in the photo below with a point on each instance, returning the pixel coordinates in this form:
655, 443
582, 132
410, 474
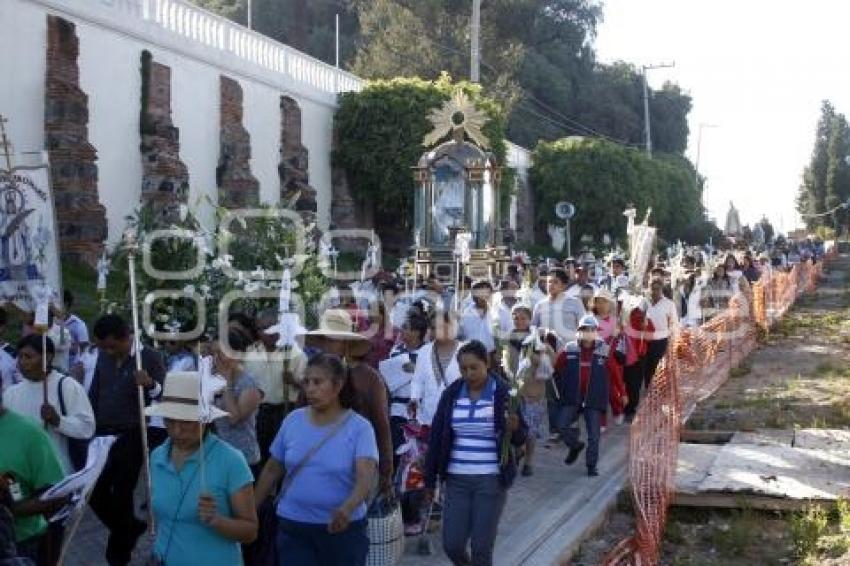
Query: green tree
538, 59
232, 9
837, 171
811, 199
603, 179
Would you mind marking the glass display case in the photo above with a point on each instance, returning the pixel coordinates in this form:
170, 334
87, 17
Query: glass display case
455, 192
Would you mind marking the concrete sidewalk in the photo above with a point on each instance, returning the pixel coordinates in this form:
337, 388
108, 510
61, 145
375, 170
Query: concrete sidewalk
546, 517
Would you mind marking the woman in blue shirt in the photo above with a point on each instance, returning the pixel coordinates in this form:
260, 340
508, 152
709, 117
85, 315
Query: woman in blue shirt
471, 431
202, 512
327, 456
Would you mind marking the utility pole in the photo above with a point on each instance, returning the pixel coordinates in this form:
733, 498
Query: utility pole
699, 146
646, 127
250, 9
337, 40
475, 33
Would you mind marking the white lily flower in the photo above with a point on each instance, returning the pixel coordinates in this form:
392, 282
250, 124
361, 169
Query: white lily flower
189, 290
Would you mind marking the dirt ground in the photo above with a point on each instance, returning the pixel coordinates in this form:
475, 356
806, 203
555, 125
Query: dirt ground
798, 377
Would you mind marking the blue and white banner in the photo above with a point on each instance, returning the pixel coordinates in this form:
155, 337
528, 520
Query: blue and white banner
29, 253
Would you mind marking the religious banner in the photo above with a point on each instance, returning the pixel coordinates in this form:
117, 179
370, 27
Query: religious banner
29, 253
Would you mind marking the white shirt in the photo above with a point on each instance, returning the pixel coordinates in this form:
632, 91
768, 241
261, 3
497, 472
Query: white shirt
425, 388
502, 319
399, 381
79, 335
62, 343
89, 360
560, 316
477, 326
27, 397
664, 317
267, 368
9, 374
535, 297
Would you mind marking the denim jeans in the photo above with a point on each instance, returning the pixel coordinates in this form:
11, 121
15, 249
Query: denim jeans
309, 544
471, 512
568, 425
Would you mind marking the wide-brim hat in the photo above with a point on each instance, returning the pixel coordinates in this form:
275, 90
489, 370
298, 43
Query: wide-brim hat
605, 294
337, 324
179, 401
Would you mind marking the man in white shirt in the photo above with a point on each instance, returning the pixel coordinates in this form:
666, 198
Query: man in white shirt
77, 330
558, 312
665, 319
540, 288
278, 374
475, 320
504, 301
67, 412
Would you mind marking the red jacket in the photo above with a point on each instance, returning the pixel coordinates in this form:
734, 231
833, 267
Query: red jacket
638, 331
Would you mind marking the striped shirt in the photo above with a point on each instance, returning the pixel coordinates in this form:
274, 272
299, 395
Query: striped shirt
475, 448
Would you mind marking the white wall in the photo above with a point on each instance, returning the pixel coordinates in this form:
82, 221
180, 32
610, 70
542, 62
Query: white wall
262, 120
112, 37
110, 74
23, 65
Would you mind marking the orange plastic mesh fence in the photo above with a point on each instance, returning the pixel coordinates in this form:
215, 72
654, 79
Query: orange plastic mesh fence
697, 363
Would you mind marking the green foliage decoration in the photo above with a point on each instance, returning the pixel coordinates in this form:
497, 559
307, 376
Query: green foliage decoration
254, 248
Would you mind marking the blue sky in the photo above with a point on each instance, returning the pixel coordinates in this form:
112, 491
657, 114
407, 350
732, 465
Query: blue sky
758, 69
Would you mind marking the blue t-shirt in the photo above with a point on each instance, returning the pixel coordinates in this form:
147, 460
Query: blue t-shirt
326, 481
181, 538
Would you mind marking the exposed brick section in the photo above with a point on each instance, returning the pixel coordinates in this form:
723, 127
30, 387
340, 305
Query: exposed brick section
237, 188
165, 179
81, 219
294, 179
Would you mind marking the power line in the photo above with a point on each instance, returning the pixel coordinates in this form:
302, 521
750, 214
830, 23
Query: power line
575, 126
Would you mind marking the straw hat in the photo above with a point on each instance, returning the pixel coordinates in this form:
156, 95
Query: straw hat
337, 324
180, 398
605, 294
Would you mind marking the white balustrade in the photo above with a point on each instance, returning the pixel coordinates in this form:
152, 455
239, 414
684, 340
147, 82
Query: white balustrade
198, 27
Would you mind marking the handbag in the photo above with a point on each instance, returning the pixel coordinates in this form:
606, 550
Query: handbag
386, 532
263, 550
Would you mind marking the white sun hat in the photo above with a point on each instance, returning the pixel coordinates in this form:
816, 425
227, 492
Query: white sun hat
180, 399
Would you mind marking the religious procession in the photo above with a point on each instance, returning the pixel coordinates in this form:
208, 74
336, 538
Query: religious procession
258, 309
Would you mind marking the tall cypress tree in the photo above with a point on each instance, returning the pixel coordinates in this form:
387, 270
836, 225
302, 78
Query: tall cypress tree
838, 172
812, 197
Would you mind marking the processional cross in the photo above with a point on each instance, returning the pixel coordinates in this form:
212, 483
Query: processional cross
7, 147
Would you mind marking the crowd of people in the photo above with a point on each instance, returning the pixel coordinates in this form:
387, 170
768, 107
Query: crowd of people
436, 398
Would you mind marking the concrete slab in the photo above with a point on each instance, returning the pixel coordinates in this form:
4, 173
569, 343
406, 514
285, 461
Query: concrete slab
764, 437
695, 461
778, 471
823, 439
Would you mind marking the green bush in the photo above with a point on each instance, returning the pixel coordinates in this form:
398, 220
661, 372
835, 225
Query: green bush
602, 179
